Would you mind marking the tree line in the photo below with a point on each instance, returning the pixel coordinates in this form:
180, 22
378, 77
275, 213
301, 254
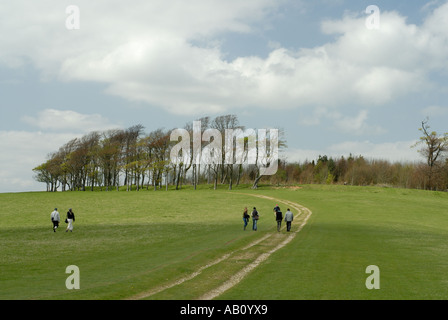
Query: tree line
134, 159
359, 171
429, 174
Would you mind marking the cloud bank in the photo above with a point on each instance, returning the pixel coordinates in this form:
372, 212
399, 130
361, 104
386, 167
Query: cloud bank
148, 52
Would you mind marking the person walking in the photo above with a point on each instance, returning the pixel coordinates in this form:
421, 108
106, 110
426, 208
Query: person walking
278, 218
246, 218
276, 208
55, 218
289, 217
70, 219
255, 217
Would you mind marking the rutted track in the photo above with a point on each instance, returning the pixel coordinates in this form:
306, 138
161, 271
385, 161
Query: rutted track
275, 243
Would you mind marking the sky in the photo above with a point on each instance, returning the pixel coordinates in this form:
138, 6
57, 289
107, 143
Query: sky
336, 77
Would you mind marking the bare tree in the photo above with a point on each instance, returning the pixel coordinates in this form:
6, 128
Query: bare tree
434, 147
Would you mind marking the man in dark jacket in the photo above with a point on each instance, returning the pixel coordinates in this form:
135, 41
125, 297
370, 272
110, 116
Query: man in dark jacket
278, 216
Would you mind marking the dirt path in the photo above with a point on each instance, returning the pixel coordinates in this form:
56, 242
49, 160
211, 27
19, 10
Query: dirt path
262, 257
275, 243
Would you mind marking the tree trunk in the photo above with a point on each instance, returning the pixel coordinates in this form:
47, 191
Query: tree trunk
194, 176
231, 176
255, 185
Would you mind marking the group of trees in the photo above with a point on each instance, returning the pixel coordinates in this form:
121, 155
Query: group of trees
432, 174
134, 159
356, 170
131, 158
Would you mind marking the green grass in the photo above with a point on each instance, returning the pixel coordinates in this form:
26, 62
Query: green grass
403, 232
123, 242
127, 242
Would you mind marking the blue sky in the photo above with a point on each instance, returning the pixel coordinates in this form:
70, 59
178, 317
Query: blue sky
312, 68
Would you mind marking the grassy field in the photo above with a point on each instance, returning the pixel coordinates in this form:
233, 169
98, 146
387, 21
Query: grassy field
126, 243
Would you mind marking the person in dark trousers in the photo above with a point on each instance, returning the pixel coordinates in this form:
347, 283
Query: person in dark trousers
278, 218
289, 217
245, 218
70, 219
255, 217
55, 218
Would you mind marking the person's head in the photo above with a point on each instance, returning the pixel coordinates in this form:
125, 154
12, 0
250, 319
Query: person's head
255, 208
55, 209
287, 210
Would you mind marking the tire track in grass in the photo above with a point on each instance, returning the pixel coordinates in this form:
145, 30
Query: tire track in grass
235, 279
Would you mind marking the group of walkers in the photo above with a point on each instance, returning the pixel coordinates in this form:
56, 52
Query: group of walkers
289, 217
55, 218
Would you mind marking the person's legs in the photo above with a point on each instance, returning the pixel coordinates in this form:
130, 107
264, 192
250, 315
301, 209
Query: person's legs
288, 225
279, 225
70, 225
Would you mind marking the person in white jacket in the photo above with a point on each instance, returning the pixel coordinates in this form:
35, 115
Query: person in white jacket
55, 218
288, 218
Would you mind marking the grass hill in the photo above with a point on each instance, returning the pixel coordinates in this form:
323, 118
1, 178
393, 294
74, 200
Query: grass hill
182, 244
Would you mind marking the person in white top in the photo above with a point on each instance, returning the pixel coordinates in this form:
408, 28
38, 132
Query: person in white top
55, 218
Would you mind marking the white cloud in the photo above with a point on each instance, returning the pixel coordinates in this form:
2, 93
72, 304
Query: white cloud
24, 150
69, 121
145, 52
21, 152
106, 25
397, 45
